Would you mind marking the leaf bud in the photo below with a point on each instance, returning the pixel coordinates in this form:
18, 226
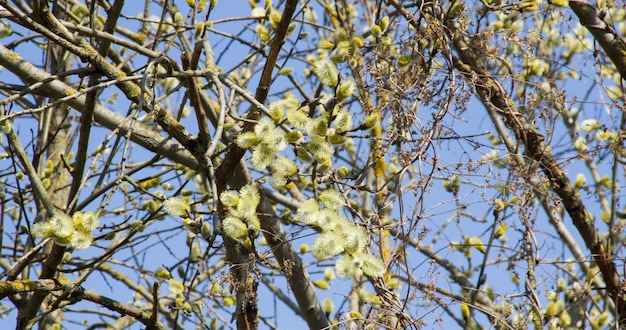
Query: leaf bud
322, 284
370, 120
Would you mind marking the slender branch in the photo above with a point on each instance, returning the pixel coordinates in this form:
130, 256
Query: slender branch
142, 316
40, 192
87, 118
133, 92
492, 94
56, 89
292, 267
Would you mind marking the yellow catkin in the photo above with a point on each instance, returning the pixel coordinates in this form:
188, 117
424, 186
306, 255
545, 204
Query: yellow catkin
385, 250
332, 14
380, 167
376, 133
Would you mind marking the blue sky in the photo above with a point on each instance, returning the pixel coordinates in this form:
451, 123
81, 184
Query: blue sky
439, 204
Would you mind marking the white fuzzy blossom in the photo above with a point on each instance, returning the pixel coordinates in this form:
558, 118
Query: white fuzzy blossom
371, 265
62, 225
332, 199
74, 231
347, 268
327, 244
308, 211
589, 125
176, 206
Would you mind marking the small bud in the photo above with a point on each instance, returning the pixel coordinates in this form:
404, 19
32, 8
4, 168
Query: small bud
501, 230
355, 315
342, 172
580, 180
262, 32
285, 71
328, 306
228, 301
322, 284
206, 230
162, 273
178, 18
465, 311
370, 120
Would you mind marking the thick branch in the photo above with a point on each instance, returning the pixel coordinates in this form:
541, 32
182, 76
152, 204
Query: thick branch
14, 287
293, 268
610, 40
56, 89
234, 156
225, 171
290, 262
81, 48
49, 285
493, 95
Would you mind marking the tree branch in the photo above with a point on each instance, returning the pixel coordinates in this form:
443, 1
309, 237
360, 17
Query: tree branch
607, 37
56, 89
492, 94
225, 171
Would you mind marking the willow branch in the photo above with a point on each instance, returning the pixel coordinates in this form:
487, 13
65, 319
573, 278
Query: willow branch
56, 89
40, 192
81, 48
604, 34
50, 285
231, 160
86, 119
